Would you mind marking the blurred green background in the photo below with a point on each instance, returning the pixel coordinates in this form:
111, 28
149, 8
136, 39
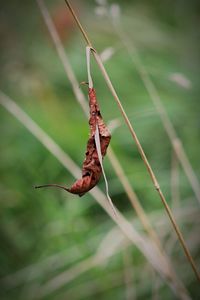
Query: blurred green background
46, 232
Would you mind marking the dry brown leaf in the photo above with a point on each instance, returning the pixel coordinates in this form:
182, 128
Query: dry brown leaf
91, 169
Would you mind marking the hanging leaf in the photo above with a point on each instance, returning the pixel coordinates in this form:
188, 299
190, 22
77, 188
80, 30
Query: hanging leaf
91, 169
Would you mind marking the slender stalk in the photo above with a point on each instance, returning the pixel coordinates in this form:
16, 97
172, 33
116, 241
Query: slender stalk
111, 155
78, 23
140, 149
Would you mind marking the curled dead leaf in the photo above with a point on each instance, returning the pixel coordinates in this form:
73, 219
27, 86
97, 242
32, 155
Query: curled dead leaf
91, 169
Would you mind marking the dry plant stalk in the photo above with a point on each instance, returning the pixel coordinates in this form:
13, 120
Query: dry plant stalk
80, 97
111, 155
139, 146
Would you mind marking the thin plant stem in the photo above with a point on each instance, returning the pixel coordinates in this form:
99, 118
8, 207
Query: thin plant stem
111, 155
152, 253
139, 146
79, 24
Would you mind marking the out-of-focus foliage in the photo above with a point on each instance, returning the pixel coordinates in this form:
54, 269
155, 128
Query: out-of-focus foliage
46, 232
